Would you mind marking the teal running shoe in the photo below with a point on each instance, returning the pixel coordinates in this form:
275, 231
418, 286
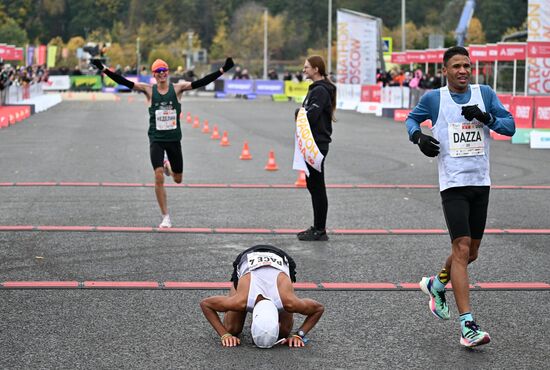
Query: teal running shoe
438, 302
473, 336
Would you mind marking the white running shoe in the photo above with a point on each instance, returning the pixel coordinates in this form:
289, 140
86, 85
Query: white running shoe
167, 167
166, 223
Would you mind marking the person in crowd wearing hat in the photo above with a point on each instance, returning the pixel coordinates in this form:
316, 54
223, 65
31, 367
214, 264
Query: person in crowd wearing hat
262, 284
164, 122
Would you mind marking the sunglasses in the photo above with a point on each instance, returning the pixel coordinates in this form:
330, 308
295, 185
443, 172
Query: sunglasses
158, 70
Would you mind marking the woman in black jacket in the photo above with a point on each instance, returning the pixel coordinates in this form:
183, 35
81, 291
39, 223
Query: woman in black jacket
320, 104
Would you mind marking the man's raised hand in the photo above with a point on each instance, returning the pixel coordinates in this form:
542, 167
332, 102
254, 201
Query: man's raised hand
228, 64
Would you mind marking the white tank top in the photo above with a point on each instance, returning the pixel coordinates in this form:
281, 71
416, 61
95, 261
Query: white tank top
264, 268
464, 146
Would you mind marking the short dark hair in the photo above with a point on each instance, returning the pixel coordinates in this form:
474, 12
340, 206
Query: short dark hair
455, 50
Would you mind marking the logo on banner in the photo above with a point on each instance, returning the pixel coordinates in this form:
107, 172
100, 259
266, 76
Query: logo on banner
305, 147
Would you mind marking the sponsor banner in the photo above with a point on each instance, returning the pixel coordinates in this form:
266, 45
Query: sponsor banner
18, 54
522, 110
540, 139
432, 56
478, 53
508, 51
371, 93
305, 147
86, 83
395, 97
370, 107
268, 87
30, 55
147, 79
240, 87
538, 47
492, 52
52, 53
357, 48
416, 56
57, 83
110, 83
41, 55
399, 58
542, 112
400, 115
506, 100
7, 52
296, 89
348, 96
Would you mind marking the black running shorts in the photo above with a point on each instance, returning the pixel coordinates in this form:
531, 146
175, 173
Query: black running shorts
465, 210
173, 151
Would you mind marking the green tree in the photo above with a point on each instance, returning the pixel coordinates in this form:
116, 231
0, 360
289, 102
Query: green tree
11, 33
475, 32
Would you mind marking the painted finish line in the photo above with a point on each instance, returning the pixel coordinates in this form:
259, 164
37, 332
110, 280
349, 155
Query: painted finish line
198, 285
256, 186
207, 230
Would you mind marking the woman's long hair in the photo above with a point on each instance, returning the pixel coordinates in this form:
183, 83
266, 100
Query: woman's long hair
317, 61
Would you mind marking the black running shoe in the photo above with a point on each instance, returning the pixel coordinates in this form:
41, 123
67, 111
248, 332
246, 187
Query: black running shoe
313, 234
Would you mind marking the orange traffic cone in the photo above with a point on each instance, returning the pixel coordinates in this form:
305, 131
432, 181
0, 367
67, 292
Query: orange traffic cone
93, 96
301, 181
245, 155
225, 140
271, 164
196, 122
205, 128
215, 133
189, 119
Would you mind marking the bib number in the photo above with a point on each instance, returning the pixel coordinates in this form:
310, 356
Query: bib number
261, 259
466, 139
166, 119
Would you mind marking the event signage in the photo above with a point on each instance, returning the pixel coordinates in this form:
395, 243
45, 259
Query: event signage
296, 89
7, 52
357, 48
268, 87
57, 83
399, 58
240, 87
511, 51
478, 53
538, 47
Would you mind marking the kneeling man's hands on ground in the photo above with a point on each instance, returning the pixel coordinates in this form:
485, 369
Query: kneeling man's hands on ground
229, 340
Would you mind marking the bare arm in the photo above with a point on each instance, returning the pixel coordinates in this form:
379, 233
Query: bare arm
307, 307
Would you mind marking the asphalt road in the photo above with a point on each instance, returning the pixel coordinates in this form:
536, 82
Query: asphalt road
143, 329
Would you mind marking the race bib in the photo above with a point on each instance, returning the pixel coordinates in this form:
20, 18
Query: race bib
166, 119
261, 259
466, 139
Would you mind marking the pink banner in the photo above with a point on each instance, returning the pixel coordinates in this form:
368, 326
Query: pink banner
478, 53
18, 54
511, 51
41, 55
7, 52
522, 110
539, 49
371, 93
399, 58
542, 112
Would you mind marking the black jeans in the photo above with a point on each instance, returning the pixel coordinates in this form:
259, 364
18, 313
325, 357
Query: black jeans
316, 186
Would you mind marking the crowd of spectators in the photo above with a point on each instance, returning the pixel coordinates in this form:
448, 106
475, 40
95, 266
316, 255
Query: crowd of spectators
414, 80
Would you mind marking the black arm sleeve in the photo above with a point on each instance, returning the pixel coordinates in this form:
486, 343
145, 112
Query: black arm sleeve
119, 79
206, 80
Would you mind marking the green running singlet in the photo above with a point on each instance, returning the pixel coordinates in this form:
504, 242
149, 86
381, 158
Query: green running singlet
164, 116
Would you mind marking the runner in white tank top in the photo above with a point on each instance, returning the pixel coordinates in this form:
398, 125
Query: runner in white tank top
462, 116
262, 284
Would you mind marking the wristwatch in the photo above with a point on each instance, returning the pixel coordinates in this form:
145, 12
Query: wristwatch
301, 334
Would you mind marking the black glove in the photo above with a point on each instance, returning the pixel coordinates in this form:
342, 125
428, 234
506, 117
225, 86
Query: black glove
97, 63
228, 65
472, 111
427, 144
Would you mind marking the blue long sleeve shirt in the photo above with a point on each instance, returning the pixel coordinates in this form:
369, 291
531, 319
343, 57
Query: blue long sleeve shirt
501, 122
